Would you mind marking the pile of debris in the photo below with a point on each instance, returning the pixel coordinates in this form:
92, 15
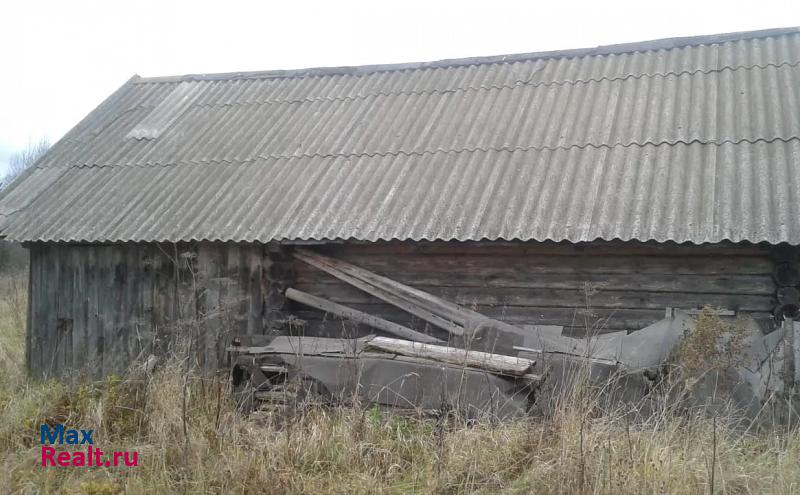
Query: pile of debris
388, 372
489, 366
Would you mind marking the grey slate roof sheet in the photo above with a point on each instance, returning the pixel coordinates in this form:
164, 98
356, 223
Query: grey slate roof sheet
697, 142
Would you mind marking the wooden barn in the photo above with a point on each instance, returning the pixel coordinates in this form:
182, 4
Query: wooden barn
589, 189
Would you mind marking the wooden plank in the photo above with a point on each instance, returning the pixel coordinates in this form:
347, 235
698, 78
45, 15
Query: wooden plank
118, 278
208, 300
497, 363
32, 302
255, 299
420, 311
144, 329
187, 284
35, 307
76, 309
42, 343
129, 267
162, 301
376, 285
57, 334
64, 312
133, 314
95, 312
273, 369
105, 305
44, 308
51, 335
380, 286
358, 316
233, 303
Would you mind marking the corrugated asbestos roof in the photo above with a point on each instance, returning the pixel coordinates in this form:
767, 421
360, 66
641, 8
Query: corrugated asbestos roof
687, 140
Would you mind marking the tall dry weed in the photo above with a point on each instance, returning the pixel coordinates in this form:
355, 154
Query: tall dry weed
191, 439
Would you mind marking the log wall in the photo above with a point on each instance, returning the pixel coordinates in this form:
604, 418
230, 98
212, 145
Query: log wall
96, 308
601, 286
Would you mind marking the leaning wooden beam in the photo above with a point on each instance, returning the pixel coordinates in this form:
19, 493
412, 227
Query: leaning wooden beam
358, 316
497, 363
418, 310
441, 307
412, 299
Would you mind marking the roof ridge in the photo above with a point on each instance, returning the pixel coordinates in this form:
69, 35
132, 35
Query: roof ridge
529, 82
439, 151
602, 50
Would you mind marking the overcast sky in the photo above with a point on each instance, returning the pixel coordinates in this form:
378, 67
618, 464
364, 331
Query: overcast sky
60, 59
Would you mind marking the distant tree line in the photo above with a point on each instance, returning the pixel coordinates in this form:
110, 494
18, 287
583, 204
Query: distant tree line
12, 255
21, 160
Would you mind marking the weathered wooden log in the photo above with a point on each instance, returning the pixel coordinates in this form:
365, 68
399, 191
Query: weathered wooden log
419, 310
358, 316
497, 363
437, 305
437, 311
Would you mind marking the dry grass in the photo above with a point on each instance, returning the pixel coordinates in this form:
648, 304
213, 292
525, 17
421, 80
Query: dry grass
208, 447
